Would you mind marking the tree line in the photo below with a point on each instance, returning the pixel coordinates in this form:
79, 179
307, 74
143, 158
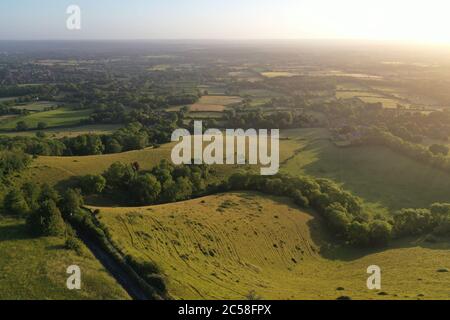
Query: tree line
264, 120
134, 136
342, 212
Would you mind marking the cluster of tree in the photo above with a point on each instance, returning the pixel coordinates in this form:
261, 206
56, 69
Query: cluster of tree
11, 161
7, 107
164, 183
410, 125
417, 222
182, 99
32, 145
43, 207
341, 210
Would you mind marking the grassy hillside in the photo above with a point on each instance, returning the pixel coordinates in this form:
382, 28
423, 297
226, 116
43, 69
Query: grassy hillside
226, 245
56, 169
36, 268
385, 179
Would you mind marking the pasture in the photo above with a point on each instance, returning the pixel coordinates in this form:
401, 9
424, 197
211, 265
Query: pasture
228, 245
385, 179
209, 106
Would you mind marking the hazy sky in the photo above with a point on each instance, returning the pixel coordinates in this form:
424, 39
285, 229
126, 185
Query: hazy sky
409, 20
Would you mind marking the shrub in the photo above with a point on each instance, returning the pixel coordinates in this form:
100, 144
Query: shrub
300, 199
338, 218
72, 243
359, 234
146, 189
380, 232
71, 201
47, 220
92, 184
15, 203
413, 222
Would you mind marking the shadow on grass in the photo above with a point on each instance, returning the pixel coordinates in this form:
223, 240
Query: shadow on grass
56, 247
13, 232
379, 175
332, 248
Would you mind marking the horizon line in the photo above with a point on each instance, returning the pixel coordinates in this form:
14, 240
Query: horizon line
377, 41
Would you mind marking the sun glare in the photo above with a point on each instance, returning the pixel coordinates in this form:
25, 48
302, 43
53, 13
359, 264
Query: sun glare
407, 20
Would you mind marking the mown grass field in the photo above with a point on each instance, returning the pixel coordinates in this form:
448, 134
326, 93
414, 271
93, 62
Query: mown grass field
211, 106
206, 108
276, 74
218, 100
53, 118
35, 268
227, 245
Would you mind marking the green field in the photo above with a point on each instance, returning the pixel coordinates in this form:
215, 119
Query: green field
53, 118
385, 179
35, 268
227, 245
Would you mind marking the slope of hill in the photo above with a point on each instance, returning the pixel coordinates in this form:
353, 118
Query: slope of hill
56, 169
35, 268
228, 245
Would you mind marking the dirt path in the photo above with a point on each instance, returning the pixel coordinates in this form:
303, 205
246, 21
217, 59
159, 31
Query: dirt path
128, 283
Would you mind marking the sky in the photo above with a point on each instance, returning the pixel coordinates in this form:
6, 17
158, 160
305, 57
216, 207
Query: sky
405, 20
